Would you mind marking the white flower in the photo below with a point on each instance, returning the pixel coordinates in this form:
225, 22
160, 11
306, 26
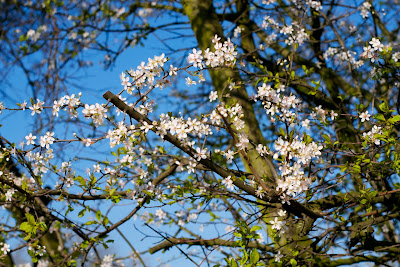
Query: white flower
9, 194
195, 58
37, 108
333, 115
5, 248
146, 127
278, 257
396, 56
107, 261
364, 116
213, 96
201, 154
227, 181
287, 30
125, 82
30, 139
376, 44
276, 224
47, 140
173, 71
96, 168
260, 192
282, 213
189, 81
229, 156
87, 141
161, 214
243, 141
262, 150
237, 31
216, 39
306, 123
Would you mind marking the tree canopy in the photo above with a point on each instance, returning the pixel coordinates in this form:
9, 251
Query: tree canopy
260, 133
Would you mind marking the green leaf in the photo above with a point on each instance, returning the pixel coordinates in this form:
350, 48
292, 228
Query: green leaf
312, 92
112, 191
254, 256
327, 139
43, 226
394, 119
245, 257
98, 215
26, 238
293, 262
84, 244
383, 107
26, 227
82, 213
80, 180
255, 228
282, 131
304, 69
380, 117
30, 218
238, 235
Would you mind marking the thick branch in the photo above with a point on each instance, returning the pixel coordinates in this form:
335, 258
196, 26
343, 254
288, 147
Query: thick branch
212, 242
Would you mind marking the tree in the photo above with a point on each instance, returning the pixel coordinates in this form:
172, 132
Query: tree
286, 152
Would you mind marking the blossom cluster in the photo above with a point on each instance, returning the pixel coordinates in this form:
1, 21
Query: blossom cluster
181, 127
97, 112
235, 113
372, 135
38, 250
295, 33
370, 51
223, 54
320, 113
145, 74
119, 135
365, 9
342, 57
295, 154
268, 21
68, 103
276, 103
40, 161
